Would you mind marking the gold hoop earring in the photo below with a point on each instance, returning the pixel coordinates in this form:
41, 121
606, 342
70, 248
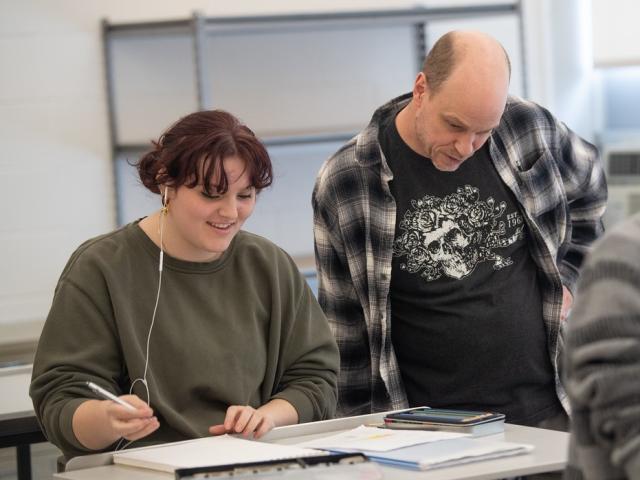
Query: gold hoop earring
165, 202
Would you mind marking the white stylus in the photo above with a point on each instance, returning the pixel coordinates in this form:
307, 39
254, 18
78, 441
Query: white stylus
109, 396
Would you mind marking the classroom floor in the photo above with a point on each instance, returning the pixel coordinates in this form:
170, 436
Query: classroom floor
43, 462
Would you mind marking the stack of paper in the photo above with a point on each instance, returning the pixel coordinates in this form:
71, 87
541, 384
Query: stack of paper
447, 453
417, 449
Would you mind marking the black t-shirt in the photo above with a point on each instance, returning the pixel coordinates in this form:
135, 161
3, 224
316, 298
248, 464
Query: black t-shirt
466, 306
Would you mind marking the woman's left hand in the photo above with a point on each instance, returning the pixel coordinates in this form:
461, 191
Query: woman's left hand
246, 420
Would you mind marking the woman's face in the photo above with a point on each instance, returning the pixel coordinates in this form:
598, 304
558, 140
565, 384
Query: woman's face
199, 226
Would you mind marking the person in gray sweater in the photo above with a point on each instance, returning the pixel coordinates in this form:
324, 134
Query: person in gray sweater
202, 327
602, 360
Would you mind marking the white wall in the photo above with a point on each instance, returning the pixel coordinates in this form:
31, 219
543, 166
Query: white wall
559, 53
615, 32
573, 66
55, 169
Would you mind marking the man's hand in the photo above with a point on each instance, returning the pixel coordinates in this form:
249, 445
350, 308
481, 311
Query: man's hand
567, 301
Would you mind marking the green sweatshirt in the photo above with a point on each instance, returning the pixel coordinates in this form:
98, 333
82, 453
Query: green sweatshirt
241, 330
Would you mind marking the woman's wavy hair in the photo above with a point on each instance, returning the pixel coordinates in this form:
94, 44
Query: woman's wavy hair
192, 150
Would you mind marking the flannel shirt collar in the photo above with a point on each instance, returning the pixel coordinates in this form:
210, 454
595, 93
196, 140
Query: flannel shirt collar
367, 146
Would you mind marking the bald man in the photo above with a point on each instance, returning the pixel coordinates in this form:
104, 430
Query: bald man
449, 234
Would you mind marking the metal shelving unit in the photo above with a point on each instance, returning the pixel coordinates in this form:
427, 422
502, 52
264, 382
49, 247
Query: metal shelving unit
205, 40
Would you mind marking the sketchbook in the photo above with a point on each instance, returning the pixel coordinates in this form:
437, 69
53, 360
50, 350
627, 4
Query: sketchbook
209, 451
344, 466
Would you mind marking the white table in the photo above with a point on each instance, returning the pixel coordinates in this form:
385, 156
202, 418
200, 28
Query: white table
550, 453
18, 425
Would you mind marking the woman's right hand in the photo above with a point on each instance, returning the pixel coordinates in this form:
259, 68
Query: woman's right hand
99, 423
131, 425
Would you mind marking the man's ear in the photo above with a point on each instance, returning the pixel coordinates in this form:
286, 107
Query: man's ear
420, 88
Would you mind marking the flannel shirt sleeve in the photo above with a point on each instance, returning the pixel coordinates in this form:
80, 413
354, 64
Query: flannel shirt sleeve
338, 298
586, 189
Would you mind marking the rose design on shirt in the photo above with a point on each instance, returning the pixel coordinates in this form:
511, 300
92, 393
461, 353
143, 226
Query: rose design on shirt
452, 235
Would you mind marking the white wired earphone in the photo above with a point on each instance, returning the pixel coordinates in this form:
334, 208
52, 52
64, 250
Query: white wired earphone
163, 212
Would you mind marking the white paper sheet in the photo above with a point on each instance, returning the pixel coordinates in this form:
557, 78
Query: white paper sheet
378, 439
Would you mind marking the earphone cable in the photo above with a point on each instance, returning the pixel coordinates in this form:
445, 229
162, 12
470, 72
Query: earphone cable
153, 316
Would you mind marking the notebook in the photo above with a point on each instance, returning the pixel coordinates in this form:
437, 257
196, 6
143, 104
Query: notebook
447, 453
447, 420
209, 451
476, 430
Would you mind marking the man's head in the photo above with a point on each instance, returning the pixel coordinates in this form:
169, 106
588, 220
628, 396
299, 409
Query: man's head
458, 98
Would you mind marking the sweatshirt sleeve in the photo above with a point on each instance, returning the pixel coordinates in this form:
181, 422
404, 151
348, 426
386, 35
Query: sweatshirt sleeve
309, 356
603, 361
77, 344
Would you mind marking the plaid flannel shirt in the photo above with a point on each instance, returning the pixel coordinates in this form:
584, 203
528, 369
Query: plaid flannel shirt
556, 177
